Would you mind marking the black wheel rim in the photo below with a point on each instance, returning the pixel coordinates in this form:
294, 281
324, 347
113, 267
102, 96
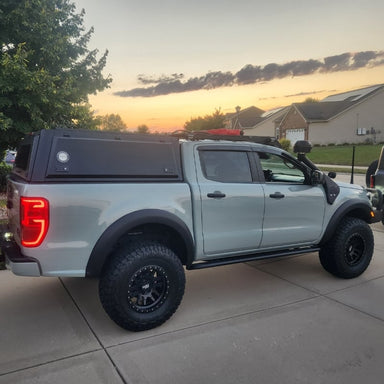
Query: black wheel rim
354, 250
148, 289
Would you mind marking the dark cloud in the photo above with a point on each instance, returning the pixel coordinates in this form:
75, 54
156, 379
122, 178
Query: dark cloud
249, 74
300, 68
252, 74
337, 63
143, 79
304, 94
362, 59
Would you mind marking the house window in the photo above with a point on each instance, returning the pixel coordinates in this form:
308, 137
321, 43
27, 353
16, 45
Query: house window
361, 131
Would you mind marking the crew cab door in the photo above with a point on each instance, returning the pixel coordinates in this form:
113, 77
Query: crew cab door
231, 199
294, 209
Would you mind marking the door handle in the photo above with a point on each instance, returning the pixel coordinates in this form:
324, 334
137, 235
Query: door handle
277, 195
216, 195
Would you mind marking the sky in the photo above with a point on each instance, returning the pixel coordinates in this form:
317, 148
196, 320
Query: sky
173, 60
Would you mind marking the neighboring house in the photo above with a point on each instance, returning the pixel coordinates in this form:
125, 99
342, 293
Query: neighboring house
350, 117
243, 118
268, 125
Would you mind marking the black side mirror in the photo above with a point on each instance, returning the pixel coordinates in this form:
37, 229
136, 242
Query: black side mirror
302, 146
332, 175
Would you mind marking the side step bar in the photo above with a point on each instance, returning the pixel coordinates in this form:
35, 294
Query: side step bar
252, 257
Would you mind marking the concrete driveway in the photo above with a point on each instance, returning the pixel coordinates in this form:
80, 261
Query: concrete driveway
281, 321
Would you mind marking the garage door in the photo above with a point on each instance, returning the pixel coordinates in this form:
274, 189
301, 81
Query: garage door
294, 135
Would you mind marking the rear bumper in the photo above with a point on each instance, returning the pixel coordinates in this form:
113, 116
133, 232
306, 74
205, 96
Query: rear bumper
14, 259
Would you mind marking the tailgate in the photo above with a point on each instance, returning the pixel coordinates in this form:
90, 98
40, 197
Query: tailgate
14, 191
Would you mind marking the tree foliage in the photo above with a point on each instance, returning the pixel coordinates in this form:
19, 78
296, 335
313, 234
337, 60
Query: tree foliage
112, 122
213, 121
311, 100
142, 129
285, 144
46, 69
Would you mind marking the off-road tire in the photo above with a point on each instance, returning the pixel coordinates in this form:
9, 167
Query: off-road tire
142, 286
348, 253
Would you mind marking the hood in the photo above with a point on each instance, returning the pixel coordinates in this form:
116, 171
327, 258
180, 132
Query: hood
342, 184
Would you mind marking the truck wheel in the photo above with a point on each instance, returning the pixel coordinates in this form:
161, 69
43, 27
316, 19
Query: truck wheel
349, 252
142, 286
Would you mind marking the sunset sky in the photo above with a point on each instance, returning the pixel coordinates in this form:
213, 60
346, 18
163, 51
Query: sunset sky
171, 60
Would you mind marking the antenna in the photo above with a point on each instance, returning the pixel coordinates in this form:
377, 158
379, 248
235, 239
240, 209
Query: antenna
353, 164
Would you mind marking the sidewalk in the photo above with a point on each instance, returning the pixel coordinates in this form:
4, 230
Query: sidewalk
283, 321
348, 168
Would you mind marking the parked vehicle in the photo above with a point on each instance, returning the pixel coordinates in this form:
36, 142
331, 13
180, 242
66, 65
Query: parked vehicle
10, 157
371, 170
133, 209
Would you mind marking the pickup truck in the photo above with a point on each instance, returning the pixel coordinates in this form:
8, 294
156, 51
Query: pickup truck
135, 210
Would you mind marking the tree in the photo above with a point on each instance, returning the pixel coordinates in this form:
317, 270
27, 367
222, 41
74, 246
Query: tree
214, 121
142, 129
112, 122
46, 69
311, 100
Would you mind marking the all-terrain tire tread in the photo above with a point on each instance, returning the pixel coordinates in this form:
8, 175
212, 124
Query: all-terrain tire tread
332, 253
124, 260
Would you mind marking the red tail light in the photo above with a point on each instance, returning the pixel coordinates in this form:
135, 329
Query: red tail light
34, 217
372, 181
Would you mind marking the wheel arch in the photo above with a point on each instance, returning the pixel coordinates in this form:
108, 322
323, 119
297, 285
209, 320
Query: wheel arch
349, 208
148, 222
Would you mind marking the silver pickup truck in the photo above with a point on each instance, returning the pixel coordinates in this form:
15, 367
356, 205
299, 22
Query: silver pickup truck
133, 210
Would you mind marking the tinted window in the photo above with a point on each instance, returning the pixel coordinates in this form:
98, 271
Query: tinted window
280, 169
226, 166
22, 158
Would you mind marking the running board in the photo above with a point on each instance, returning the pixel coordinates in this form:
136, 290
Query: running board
252, 257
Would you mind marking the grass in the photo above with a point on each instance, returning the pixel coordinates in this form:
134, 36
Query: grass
342, 154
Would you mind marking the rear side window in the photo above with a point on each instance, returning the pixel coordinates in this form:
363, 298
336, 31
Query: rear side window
226, 166
22, 158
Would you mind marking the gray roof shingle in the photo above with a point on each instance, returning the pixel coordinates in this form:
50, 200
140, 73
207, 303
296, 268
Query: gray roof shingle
322, 111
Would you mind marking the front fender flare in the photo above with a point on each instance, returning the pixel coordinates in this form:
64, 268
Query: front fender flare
349, 208
118, 229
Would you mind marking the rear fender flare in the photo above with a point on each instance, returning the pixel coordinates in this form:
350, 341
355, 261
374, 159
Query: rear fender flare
104, 246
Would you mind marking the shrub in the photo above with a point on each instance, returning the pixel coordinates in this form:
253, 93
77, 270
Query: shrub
285, 144
4, 171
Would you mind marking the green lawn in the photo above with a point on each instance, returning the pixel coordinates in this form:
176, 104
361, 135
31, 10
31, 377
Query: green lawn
342, 154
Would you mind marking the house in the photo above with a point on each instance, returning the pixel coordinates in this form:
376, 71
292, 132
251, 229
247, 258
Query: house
351, 117
268, 123
243, 118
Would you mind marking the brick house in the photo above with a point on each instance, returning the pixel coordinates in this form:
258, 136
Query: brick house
350, 117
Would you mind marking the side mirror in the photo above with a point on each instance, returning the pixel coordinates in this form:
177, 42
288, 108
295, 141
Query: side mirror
332, 175
302, 146
317, 177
